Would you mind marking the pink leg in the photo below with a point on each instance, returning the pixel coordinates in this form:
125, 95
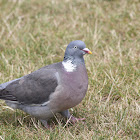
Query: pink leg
73, 120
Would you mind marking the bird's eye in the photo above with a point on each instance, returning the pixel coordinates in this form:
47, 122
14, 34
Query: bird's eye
75, 47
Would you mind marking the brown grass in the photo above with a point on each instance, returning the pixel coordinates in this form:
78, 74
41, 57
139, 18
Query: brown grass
35, 33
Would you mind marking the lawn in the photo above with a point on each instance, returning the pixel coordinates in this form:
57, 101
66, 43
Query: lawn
35, 33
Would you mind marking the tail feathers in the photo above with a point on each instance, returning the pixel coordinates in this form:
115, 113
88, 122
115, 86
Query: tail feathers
2, 94
9, 99
5, 95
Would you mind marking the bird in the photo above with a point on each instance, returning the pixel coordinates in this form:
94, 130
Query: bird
52, 89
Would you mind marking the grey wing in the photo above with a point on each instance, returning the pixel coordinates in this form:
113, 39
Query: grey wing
4, 85
34, 88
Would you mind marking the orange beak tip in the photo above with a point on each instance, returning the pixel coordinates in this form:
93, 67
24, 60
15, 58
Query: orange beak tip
89, 52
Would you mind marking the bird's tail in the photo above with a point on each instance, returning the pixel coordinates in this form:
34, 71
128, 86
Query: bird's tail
1, 93
1, 88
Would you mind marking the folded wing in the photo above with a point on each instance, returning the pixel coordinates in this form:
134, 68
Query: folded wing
34, 88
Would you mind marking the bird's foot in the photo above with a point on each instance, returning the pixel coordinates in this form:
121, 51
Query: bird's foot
74, 120
45, 124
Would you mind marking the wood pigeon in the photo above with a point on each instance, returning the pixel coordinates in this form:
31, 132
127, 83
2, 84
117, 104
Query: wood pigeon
51, 89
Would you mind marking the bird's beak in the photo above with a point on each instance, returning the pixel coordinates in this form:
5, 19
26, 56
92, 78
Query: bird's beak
86, 50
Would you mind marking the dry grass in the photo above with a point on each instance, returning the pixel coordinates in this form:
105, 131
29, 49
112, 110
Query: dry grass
35, 33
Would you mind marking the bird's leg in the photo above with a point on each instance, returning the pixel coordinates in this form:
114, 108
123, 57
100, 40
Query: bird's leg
44, 122
65, 113
71, 118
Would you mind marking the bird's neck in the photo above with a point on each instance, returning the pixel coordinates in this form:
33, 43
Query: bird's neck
74, 60
70, 64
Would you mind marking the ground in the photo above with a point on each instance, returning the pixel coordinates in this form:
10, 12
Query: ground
35, 33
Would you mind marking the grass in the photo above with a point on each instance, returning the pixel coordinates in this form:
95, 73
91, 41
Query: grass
35, 33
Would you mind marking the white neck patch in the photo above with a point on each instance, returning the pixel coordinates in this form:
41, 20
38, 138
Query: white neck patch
69, 66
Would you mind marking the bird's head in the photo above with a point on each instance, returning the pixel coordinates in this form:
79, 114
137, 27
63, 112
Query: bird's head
76, 50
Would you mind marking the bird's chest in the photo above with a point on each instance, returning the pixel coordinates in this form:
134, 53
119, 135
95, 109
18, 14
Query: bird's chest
76, 83
75, 88
71, 90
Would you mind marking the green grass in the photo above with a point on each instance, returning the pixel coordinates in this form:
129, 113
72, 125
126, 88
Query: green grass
35, 33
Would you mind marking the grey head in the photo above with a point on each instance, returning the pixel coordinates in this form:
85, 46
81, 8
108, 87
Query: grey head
75, 51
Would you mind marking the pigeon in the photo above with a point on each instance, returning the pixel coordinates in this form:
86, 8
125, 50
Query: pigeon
51, 89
